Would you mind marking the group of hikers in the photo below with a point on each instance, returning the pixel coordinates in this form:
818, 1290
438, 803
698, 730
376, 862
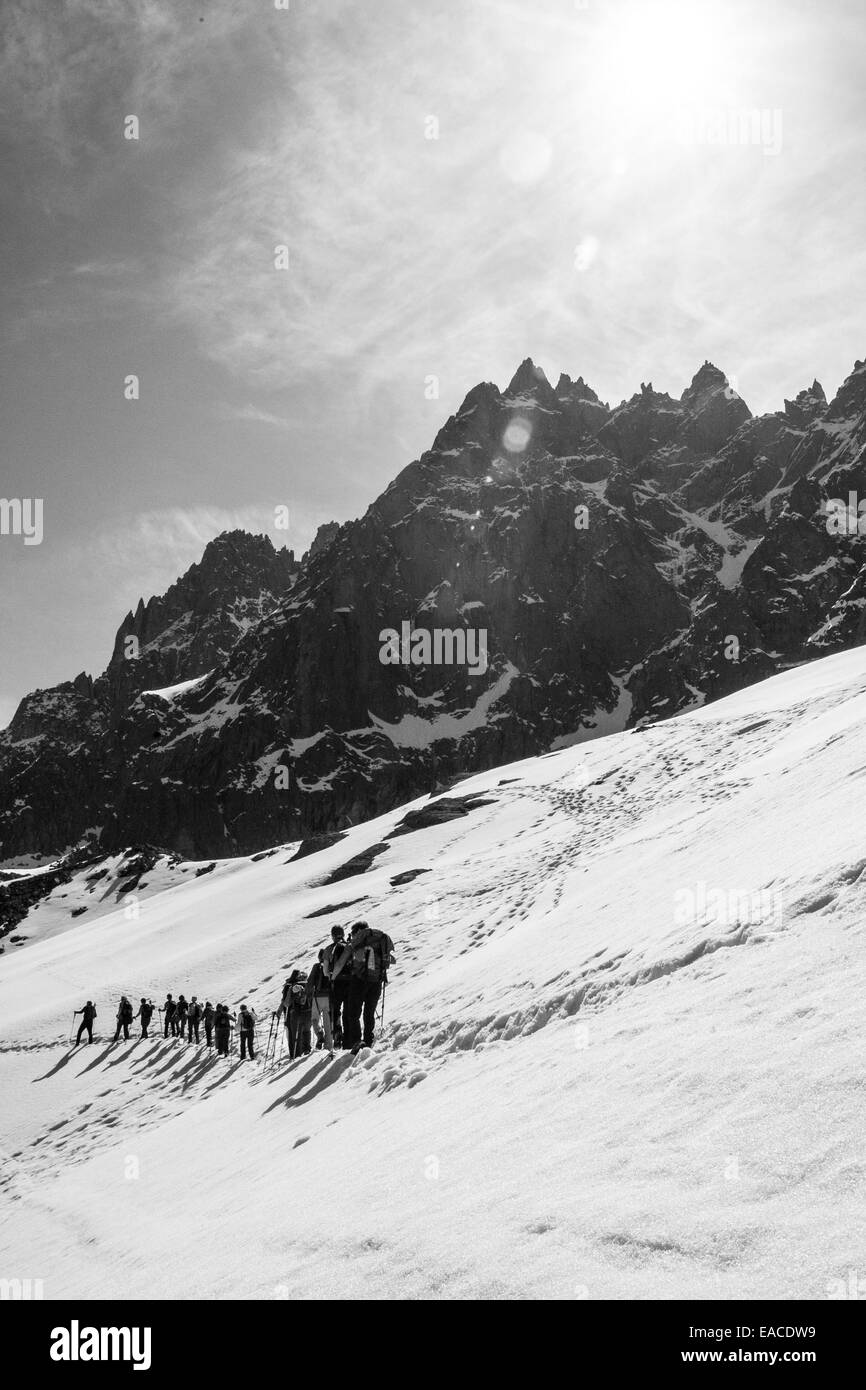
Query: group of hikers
337, 1000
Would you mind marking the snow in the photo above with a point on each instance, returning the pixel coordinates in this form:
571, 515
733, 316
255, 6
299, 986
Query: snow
170, 692
594, 1080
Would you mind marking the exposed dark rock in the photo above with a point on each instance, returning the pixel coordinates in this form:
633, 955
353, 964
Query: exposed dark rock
438, 812
624, 563
358, 864
334, 907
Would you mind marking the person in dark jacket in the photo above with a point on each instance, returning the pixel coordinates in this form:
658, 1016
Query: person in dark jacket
88, 1015
246, 1030
372, 953
208, 1022
168, 1014
124, 1018
335, 964
193, 1018
178, 1027
145, 1013
298, 1009
222, 1030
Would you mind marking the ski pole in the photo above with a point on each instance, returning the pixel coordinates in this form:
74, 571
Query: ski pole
382, 1019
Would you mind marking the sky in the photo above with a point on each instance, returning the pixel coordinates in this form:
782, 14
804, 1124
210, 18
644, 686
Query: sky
616, 188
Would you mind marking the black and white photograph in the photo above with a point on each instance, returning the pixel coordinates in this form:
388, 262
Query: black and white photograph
433, 668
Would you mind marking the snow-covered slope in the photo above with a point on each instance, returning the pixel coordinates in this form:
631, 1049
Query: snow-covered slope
623, 1052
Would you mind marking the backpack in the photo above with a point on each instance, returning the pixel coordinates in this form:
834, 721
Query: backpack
195, 1013
372, 953
298, 997
126, 1012
146, 1013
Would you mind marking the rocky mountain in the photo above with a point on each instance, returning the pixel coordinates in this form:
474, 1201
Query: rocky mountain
61, 756
607, 566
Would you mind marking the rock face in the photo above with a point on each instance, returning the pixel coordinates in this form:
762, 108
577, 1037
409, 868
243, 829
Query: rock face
624, 565
62, 757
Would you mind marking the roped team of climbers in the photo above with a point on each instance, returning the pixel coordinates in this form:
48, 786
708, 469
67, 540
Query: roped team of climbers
337, 1000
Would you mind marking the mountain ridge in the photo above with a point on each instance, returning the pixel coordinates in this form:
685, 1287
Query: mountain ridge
625, 564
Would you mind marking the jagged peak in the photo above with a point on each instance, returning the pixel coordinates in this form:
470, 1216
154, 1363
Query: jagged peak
483, 390
528, 377
708, 377
807, 405
578, 390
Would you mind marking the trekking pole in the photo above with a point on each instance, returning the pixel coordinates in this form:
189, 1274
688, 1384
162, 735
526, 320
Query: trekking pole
382, 1019
72, 1029
270, 1035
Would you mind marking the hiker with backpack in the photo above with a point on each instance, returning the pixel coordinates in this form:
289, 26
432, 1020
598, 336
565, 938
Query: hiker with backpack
193, 1018
319, 991
298, 1008
88, 1015
168, 1014
124, 1018
222, 1030
178, 1027
335, 963
145, 1013
372, 953
246, 1028
208, 1016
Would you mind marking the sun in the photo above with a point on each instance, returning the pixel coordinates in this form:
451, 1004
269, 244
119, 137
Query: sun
665, 55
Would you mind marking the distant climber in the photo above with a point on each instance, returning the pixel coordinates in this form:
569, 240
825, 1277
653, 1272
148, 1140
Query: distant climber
168, 1014
193, 1018
178, 1026
145, 1013
124, 1018
89, 1014
222, 1030
208, 1022
335, 964
319, 992
246, 1031
298, 1008
372, 953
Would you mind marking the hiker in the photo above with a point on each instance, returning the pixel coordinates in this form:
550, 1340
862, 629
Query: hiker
178, 1026
372, 953
194, 1018
145, 1013
335, 963
168, 1014
89, 1014
319, 991
208, 1022
124, 1018
222, 1030
246, 1029
299, 1012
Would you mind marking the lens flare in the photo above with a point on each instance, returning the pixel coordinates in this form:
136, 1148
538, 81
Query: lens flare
517, 435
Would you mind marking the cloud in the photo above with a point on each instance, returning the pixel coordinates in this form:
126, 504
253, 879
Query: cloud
256, 416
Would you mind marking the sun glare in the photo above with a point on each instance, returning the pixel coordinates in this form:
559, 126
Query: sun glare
658, 57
